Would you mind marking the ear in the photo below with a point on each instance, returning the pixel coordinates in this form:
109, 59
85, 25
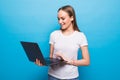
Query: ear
72, 18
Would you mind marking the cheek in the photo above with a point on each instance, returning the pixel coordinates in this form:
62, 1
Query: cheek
66, 20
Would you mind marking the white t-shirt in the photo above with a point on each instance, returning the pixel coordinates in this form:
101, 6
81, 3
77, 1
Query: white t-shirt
68, 46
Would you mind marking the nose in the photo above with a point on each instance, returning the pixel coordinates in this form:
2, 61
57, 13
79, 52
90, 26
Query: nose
60, 21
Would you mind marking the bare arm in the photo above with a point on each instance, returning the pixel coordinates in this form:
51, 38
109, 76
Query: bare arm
82, 62
85, 58
51, 50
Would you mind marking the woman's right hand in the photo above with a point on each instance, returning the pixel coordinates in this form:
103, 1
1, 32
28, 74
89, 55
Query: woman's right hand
38, 62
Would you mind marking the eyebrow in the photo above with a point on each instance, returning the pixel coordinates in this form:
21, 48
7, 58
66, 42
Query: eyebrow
61, 17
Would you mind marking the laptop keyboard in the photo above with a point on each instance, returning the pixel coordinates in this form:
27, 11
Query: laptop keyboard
51, 60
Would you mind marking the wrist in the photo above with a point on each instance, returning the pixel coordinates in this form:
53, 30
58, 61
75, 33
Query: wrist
72, 62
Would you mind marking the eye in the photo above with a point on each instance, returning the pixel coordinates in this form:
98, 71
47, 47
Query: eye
63, 18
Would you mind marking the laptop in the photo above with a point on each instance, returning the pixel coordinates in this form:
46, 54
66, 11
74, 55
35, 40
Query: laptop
33, 51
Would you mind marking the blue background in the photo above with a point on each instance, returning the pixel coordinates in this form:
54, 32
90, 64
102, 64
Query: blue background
34, 20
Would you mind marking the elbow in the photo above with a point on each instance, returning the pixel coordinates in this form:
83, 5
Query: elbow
87, 63
83, 63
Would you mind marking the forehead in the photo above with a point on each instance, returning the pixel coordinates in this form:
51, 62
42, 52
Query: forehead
62, 13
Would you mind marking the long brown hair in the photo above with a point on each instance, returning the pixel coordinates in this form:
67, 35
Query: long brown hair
69, 9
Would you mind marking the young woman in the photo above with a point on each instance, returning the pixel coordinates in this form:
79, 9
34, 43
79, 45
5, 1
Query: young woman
64, 43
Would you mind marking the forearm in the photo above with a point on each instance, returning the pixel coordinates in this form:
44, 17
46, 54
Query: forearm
82, 62
85, 58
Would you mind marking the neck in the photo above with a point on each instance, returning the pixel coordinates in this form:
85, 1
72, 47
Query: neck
68, 31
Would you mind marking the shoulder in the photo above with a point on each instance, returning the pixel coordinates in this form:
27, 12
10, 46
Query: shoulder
56, 32
80, 34
82, 40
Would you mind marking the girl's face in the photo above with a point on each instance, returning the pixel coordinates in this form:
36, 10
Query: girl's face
64, 20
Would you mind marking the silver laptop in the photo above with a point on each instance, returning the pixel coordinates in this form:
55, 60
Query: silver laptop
33, 51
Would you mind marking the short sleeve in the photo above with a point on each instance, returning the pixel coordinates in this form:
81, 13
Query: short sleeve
83, 40
52, 39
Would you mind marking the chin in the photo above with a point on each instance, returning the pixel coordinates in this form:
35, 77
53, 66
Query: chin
63, 28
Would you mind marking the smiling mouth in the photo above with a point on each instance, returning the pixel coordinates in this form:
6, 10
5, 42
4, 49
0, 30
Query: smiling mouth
62, 24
